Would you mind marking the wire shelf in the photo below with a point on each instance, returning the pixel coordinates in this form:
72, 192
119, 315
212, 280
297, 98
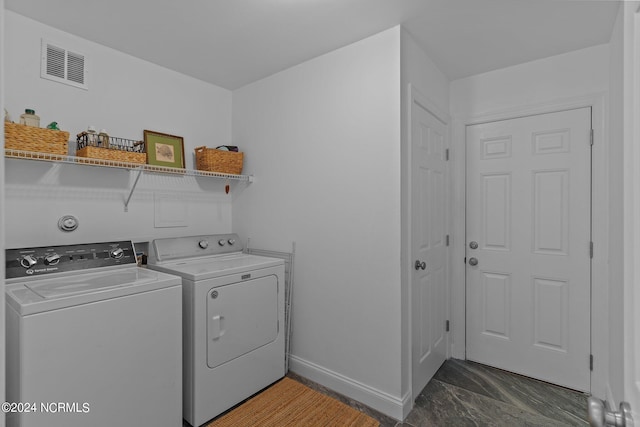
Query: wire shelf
56, 158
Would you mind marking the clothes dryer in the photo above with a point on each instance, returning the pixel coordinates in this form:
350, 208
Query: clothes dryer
233, 320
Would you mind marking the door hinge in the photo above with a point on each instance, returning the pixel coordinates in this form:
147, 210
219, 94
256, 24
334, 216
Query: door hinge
446, 154
447, 240
591, 362
591, 138
446, 328
591, 250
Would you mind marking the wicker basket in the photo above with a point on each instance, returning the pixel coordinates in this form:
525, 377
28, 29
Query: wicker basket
213, 160
39, 140
113, 155
112, 148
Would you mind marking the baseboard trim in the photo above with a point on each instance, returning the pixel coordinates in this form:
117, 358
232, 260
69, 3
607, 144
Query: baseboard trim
392, 406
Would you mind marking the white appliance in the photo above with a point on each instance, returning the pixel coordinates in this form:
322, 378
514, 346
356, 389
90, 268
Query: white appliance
233, 320
92, 339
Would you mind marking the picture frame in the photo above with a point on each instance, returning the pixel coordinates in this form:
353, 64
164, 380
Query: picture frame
164, 149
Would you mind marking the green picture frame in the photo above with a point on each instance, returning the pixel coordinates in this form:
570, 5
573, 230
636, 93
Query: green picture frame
164, 149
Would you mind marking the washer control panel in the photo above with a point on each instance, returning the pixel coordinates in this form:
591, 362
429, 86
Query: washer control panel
31, 262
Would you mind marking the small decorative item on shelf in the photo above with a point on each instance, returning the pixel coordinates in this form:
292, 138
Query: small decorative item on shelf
92, 138
227, 148
53, 125
103, 139
219, 160
29, 118
35, 139
164, 150
105, 147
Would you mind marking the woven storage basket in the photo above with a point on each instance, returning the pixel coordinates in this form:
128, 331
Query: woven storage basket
113, 155
39, 140
213, 160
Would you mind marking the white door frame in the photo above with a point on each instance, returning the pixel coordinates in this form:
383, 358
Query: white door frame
600, 179
2, 243
414, 96
631, 132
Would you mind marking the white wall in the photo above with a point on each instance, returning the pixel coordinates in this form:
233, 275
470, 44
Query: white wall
126, 95
323, 140
578, 78
423, 74
616, 234
420, 73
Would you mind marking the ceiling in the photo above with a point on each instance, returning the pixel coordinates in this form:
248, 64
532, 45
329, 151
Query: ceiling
231, 43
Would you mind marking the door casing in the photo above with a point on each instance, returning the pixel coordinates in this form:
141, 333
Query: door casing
600, 218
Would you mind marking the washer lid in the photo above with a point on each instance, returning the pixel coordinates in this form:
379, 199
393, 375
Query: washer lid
46, 294
202, 268
90, 282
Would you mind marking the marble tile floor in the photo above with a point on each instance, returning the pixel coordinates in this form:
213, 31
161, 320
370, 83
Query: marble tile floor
465, 393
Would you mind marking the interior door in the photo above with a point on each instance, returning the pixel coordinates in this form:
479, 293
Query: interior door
428, 198
528, 246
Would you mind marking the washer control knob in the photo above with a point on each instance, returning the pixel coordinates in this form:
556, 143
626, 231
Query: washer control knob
203, 244
28, 261
116, 253
52, 259
222, 242
231, 241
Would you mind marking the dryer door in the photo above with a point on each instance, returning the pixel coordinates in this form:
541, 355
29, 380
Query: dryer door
241, 317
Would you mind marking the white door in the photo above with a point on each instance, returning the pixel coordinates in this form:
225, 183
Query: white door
429, 252
529, 213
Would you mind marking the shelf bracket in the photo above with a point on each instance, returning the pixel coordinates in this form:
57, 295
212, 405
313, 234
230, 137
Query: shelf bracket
133, 188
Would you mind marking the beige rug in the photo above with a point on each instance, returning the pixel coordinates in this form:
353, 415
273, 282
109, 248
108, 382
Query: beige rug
289, 403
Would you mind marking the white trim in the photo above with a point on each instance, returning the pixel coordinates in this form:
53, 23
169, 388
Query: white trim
459, 231
2, 225
600, 286
631, 177
609, 397
393, 406
416, 96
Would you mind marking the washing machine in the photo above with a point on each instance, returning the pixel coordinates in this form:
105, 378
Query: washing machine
92, 339
233, 320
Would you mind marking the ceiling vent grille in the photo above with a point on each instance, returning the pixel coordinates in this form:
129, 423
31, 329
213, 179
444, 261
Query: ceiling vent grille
63, 66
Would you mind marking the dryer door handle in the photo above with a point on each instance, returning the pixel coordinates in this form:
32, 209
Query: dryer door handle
216, 327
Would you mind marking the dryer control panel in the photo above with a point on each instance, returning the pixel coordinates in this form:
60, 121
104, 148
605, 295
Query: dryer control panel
194, 246
32, 262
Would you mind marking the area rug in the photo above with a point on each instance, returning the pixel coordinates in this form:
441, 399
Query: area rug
289, 403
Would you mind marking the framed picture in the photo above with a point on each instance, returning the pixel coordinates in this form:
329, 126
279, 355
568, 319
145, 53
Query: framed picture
164, 150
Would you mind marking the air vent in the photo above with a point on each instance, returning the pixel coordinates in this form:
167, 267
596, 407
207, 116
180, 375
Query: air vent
63, 66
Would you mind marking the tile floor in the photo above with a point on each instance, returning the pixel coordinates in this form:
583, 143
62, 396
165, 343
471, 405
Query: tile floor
469, 394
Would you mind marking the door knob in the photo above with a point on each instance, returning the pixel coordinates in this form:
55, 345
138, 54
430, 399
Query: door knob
420, 265
473, 261
473, 245
601, 415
